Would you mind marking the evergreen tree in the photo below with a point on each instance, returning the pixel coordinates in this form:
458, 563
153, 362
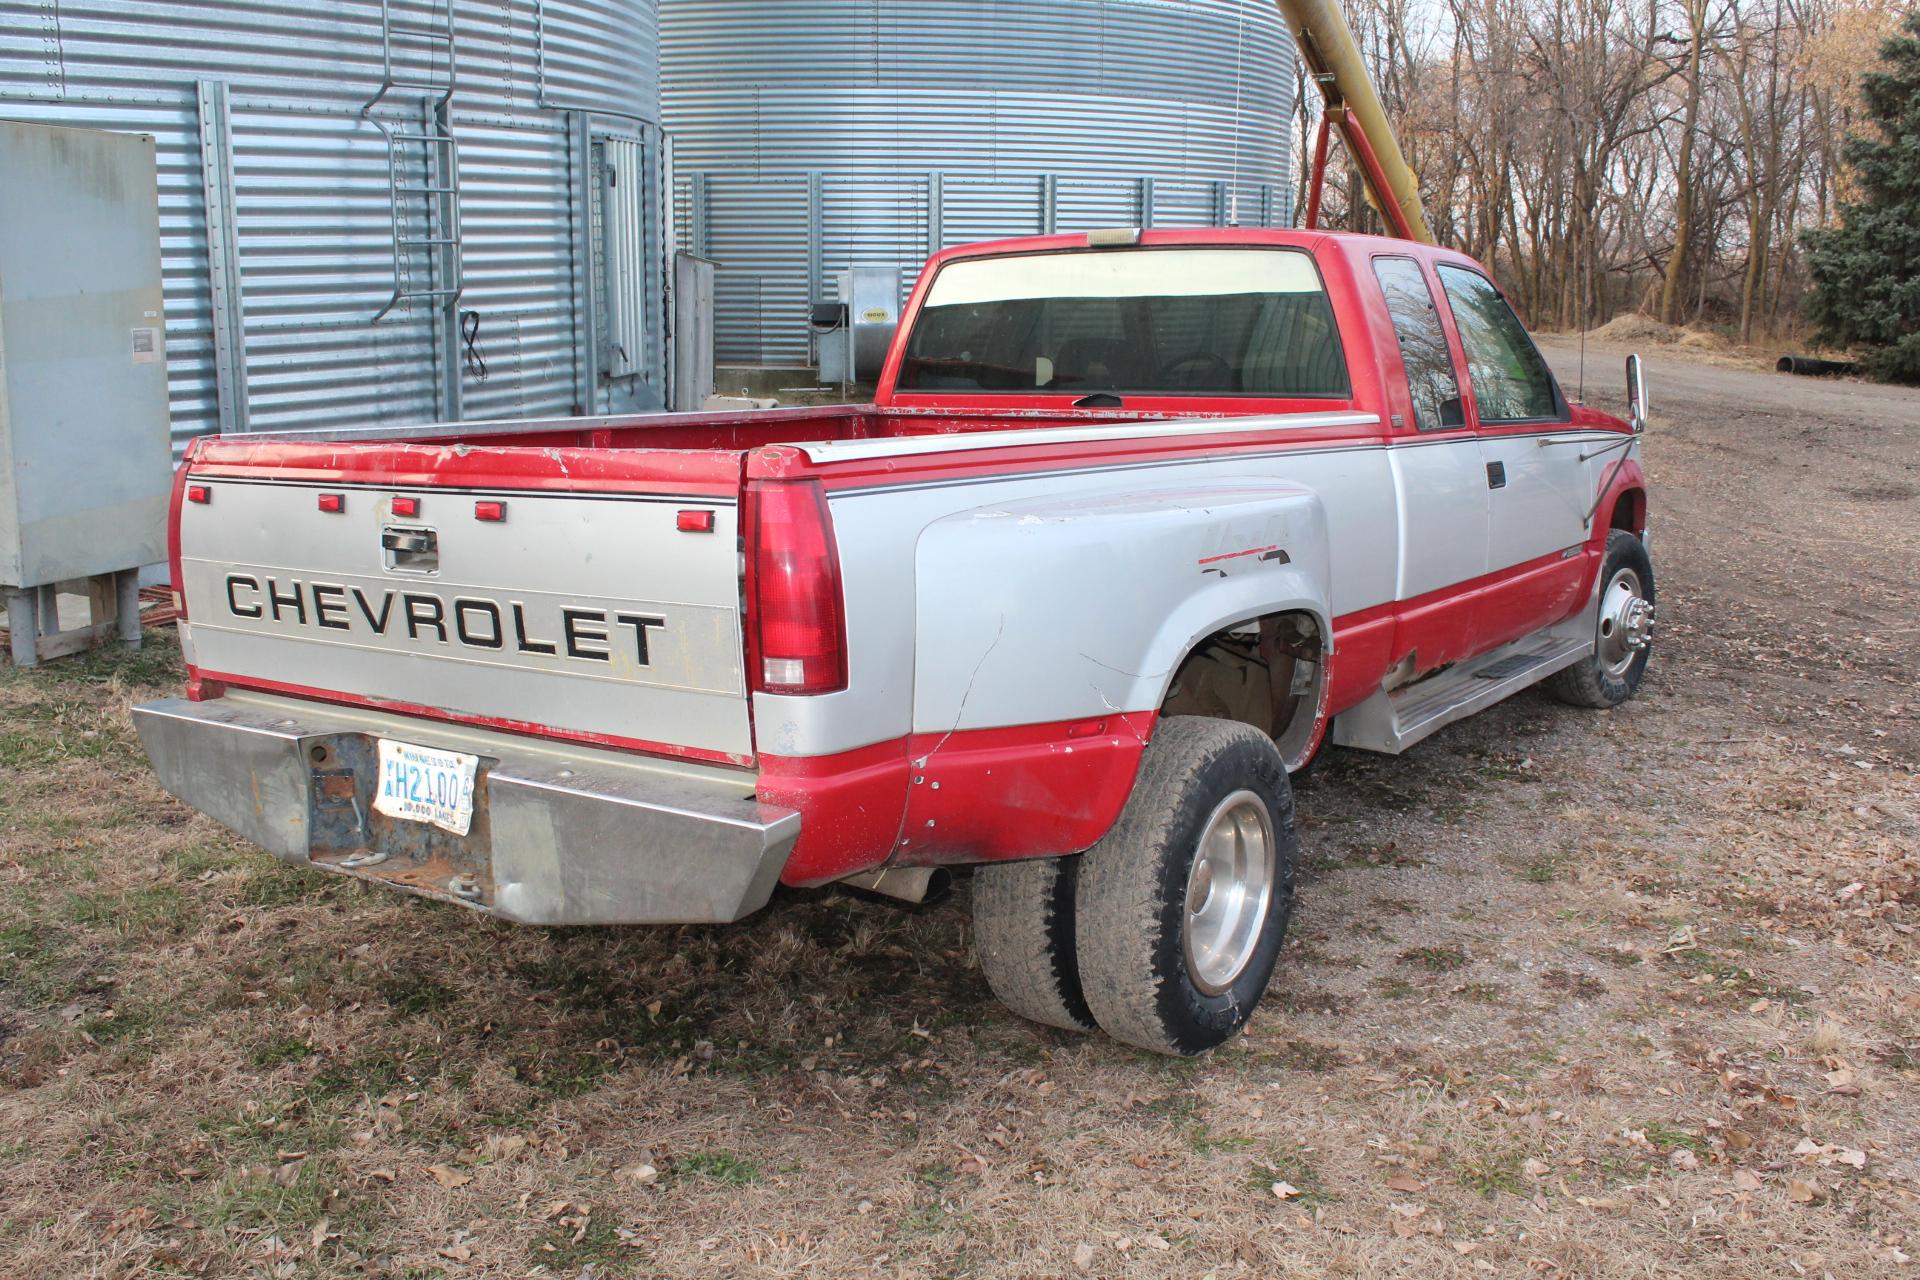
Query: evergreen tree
1866, 270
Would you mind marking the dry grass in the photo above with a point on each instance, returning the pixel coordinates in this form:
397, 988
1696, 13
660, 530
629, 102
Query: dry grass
1570, 995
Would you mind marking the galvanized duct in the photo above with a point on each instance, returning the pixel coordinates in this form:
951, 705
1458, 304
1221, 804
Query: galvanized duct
810, 138
274, 193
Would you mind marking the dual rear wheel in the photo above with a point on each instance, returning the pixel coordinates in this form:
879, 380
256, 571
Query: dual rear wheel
1165, 934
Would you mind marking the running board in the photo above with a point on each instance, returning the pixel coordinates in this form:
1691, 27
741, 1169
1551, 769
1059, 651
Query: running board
1392, 722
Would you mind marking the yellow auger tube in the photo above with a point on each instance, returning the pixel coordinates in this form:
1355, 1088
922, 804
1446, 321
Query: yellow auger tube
1333, 62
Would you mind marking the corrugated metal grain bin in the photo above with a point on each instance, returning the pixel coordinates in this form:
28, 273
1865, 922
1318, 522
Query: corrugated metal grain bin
347, 189
809, 138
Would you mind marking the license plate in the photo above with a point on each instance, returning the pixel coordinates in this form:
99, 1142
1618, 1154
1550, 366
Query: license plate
425, 784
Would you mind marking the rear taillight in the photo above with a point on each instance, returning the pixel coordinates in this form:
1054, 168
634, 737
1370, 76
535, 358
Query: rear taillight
797, 619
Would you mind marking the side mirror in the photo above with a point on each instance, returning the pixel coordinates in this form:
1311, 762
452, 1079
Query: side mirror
1636, 393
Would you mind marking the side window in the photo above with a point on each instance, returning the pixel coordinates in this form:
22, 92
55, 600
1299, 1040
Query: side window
1423, 345
1510, 379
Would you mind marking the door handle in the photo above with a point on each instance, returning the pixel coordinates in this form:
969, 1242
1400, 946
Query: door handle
1496, 475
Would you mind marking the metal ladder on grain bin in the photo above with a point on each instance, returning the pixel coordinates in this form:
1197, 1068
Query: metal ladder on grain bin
432, 145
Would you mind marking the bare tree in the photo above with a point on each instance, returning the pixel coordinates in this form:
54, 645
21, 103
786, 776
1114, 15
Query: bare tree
1614, 154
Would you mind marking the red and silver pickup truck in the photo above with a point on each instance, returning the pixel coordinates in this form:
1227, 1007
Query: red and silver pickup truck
1136, 523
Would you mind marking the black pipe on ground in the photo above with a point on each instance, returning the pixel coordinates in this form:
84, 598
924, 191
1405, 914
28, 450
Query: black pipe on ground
1814, 367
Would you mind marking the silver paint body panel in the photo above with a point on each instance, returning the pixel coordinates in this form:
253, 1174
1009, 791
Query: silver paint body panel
1094, 599
604, 555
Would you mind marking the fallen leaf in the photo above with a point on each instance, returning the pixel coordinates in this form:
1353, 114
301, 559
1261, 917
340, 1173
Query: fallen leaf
1083, 1257
1405, 1183
1802, 1191
1745, 1181
138, 1218
1285, 1190
505, 1148
449, 1177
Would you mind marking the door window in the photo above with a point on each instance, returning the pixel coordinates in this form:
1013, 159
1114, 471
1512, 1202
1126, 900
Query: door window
1511, 382
1423, 345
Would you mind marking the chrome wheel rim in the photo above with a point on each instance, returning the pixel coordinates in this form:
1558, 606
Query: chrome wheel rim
1228, 890
1626, 623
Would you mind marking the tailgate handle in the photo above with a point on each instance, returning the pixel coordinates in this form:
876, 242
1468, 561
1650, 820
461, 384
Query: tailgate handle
408, 540
411, 550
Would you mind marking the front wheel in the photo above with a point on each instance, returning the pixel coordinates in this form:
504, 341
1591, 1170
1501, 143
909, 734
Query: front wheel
1622, 630
1182, 907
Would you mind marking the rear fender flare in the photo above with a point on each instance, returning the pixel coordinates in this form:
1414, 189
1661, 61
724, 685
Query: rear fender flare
1086, 604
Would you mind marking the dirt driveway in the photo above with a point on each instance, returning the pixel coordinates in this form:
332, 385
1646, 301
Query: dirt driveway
1571, 994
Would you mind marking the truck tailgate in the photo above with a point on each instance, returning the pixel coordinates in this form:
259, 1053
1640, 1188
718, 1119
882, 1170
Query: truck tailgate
594, 611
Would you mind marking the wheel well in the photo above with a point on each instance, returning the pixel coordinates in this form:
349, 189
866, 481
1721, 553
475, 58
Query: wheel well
1269, 672
1630, 511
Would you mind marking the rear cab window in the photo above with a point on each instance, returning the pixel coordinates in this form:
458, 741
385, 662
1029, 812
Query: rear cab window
1511, 381
1165, 321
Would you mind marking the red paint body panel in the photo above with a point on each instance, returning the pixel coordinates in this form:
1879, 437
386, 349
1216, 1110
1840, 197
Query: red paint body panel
1363, 652
851, 808
1011, 793
983, 795
522, 464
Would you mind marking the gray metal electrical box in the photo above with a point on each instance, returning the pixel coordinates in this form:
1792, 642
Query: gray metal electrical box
86, 465
873, 310
855, 348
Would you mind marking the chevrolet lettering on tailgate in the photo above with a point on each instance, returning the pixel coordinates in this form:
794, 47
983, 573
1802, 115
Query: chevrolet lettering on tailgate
477, 622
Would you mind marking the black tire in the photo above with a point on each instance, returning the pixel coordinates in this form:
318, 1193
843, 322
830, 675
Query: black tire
1023, 917
1589, 683
1132, 891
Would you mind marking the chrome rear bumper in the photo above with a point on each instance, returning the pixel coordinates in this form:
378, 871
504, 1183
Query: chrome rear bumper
560, 834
